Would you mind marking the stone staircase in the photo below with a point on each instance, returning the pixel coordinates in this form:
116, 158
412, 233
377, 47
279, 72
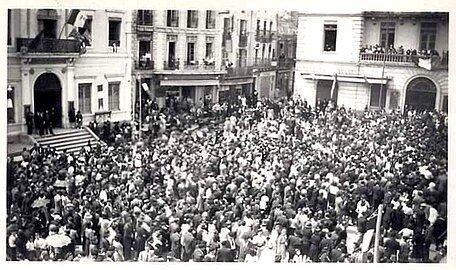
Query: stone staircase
71, 140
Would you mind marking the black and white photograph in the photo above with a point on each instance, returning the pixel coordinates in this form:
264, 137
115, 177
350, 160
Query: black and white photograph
226, 135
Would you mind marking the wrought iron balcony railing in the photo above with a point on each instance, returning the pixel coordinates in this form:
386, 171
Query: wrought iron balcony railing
144, 64
47, 45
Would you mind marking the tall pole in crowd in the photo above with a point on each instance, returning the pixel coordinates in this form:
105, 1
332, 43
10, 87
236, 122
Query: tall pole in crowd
378, 232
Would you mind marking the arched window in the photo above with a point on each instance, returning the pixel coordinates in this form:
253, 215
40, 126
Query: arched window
421, 94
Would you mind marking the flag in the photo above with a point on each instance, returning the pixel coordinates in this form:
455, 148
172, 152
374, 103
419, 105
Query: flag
425, 63
333, 87
80, 20
73, 16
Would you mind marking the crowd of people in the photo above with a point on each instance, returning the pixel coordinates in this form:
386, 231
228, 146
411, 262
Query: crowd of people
276, 181
377, 49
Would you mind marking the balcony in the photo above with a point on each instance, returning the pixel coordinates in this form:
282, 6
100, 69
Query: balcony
144, 64
265, 63
429, 62
191, 65
239, 72
226, 35
243, 38
206, 65
383, 57
171, 65
48, 45
286, 62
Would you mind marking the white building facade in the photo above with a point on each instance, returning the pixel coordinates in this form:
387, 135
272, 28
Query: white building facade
57, 72
339, 57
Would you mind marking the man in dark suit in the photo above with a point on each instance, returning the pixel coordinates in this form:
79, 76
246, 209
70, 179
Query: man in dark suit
224, 254
29, 122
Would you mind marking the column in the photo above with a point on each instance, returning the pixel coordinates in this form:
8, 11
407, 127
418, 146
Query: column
70, 95
27, 90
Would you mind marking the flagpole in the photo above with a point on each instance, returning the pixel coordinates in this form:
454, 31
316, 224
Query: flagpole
381, 82
378, 233
63, 27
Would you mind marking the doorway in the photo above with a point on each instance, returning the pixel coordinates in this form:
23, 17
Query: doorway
47, 96
421, 94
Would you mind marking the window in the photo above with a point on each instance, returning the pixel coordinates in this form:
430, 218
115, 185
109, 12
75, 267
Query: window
114, 96
144, 48
209, 50
256, 55
242, 57
145, 17
263, 51
210, 19
264, 27
258, 28
48, 27
226, 25
190, 53
85, 97
269, 51
114, 31
330, 37
270, 29
387, 30
100, 104
192, 19
9, 27
10, 105
378, 96
427, 36
243, 27
172, 18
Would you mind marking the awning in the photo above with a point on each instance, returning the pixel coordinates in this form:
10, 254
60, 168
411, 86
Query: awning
188, 82
237, 81
342, 78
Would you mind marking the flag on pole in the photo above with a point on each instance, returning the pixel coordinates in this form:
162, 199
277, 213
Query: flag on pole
333, 87
80, 20
73, 16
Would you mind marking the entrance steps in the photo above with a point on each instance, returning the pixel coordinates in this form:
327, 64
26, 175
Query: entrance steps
71, 140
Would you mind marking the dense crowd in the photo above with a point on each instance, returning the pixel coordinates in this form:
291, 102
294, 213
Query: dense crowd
274, 182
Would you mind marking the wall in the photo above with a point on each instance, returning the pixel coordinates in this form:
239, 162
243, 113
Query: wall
311, 37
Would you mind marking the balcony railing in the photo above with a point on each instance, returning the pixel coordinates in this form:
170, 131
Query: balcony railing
144, 64
47, 45
243, 40
434, 62
239, 72
382, 57
265, 62
226, 35
171, 65
286, 62
191, 65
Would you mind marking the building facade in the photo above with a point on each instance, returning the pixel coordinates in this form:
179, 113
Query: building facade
373, 59
48, 69
249, 54
177, 53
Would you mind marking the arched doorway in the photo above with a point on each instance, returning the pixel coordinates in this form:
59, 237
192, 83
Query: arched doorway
47, 96
421, 94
